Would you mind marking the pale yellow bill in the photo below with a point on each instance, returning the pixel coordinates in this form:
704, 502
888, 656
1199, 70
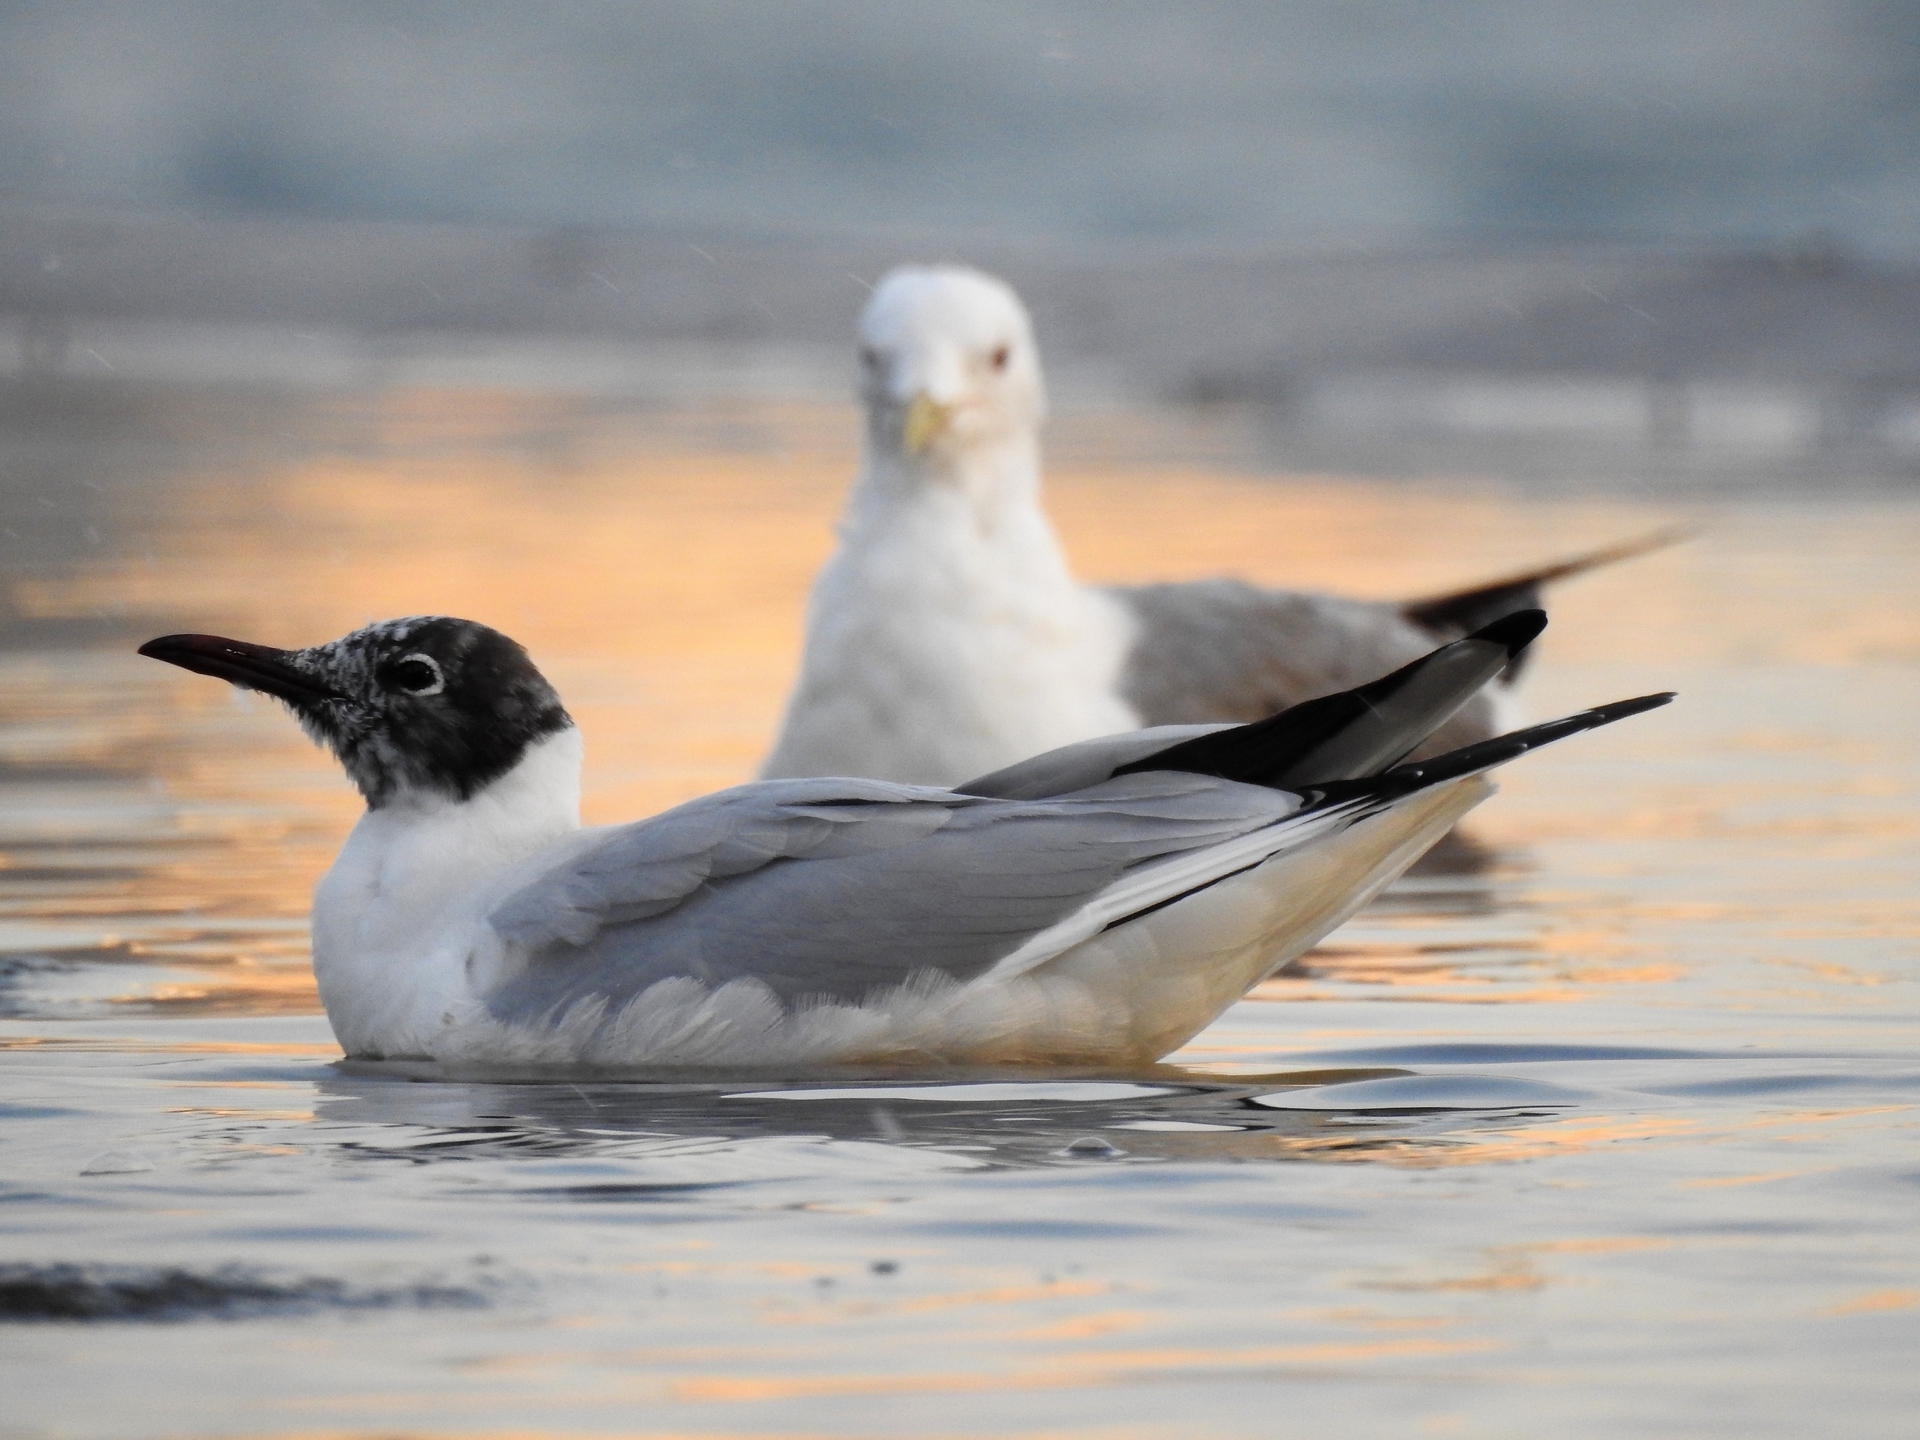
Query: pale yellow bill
926, 418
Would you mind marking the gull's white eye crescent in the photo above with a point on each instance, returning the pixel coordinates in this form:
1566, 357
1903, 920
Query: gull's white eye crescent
416, 674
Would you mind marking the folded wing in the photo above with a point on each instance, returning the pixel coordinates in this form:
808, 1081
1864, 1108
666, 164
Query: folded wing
838, 893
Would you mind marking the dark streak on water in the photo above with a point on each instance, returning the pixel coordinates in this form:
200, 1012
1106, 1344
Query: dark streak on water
108, 1292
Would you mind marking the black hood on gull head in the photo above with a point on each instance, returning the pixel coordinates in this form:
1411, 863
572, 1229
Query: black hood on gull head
428, 703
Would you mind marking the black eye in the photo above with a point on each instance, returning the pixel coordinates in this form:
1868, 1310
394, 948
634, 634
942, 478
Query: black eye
1001, 356
415, 674
870, 357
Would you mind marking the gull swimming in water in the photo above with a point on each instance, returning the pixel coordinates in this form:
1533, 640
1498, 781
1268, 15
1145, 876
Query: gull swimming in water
1098, 904
947, 636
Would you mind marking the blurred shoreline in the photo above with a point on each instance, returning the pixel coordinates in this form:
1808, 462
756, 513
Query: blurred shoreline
1603, 363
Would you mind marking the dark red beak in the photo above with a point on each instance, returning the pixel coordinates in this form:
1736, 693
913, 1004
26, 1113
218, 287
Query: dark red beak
258, 667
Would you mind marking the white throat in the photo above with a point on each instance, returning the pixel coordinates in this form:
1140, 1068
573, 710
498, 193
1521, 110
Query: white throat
995, 481
416, 869
947, 637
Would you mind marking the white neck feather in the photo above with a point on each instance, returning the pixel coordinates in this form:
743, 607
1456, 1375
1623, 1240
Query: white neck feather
408, 874
947, 637
996, 481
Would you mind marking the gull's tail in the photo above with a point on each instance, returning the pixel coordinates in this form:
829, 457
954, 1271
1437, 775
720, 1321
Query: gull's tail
1460, 611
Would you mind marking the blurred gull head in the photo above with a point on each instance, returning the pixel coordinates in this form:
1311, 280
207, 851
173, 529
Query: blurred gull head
948, 365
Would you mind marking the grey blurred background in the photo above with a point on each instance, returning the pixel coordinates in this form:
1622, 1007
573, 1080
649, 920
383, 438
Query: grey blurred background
1674, 241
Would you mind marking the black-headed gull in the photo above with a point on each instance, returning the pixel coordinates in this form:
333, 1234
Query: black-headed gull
947, 636
1098, 904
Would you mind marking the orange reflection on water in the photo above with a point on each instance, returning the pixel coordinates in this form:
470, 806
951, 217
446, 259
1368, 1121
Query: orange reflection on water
817, 1314
243, 989
1514, 1268
1087, 1327
1597, 1245
131, 1045
1571, 1135
1107, 1368
1370, 1319
1876, 1302
1411, 977
233, 1113
1513, 1274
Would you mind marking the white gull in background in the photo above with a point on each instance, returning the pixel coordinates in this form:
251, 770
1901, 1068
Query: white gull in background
1099, 904
947, 636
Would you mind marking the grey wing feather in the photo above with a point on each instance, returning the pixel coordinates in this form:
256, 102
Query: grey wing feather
633, 871
1224, 650
888, 888
1077, 766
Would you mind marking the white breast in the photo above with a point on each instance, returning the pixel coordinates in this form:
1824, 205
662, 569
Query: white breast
396, 918
947, 639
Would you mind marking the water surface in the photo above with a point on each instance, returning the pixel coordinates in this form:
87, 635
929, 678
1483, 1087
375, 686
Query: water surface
1616, 1136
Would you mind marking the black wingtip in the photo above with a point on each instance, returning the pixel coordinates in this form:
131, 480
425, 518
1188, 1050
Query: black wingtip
1639, 705
1515, 631
1485, 754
